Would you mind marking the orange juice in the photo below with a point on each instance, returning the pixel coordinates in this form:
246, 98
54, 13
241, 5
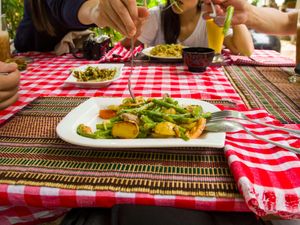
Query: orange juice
215, 36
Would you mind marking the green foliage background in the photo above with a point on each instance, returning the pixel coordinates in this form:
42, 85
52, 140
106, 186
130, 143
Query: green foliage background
14, 13
13, 9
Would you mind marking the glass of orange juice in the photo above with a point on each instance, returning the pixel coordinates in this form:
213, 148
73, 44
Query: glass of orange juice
215, 38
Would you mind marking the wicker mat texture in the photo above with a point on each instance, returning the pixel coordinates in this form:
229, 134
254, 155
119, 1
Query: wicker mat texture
32, 154
268, 88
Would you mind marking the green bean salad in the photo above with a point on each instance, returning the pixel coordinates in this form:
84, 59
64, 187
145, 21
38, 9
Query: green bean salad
94, 74
151, 118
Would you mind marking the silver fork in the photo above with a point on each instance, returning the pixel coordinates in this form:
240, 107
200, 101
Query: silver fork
129, 77
233, 126
238, 115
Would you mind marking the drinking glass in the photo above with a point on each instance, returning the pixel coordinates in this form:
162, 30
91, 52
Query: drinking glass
215, 38
4, 40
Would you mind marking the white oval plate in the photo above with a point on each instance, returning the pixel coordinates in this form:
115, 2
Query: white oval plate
71, 80
87, 113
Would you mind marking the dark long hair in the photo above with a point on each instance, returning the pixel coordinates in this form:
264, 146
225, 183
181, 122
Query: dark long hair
40, 17
170, 23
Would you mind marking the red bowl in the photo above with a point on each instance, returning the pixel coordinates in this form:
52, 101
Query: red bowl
197, 58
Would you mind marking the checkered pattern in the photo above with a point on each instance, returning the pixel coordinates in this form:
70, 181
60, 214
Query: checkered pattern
259, 168
46, 76
263, 58
120, 54
267, 175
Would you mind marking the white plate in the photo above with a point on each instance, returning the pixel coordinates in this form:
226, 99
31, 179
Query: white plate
146, 51
95, 84
87, 113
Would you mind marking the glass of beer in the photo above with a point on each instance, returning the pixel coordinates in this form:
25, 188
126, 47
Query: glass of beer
215, 38
4, 40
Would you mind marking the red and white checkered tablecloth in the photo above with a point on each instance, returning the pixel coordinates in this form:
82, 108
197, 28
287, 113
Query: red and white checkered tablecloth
258, 168
46, 76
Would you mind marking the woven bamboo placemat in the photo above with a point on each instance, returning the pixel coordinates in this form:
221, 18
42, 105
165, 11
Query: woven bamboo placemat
268, 88
32, 154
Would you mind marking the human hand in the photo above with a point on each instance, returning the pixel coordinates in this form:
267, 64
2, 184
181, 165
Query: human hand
8, 84
241, 9
121, 15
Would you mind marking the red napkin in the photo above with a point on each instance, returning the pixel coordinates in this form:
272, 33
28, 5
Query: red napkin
266, 175
263, 58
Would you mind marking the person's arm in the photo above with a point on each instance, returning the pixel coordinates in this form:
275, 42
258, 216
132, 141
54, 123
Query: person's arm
271, 21
120, 15
8, 84
240, 41
262, 19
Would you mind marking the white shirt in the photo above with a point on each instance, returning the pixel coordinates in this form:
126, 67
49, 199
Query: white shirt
152, 32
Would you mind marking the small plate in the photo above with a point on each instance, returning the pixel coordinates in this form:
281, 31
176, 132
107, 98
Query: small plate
95, 84
146, 52
87, 113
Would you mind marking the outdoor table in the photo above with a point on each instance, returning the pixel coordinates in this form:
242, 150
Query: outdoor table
42, 177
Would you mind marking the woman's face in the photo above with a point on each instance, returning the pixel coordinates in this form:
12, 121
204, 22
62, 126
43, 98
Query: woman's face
184, 5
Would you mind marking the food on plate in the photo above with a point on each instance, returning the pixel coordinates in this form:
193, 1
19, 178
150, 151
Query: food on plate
94, 73
148, 118
167, 50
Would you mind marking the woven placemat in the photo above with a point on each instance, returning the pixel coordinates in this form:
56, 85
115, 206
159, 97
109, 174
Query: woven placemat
264, 87
32, 154
279, 77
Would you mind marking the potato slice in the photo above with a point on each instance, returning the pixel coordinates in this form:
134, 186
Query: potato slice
165, 129
125, 129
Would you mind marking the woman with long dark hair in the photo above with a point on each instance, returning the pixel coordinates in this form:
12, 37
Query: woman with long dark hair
46, 22
183, 23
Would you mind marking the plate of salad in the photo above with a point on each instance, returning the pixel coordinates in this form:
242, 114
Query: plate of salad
95, 75
147, 123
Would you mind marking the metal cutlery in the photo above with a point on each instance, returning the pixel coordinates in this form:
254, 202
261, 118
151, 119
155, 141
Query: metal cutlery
219, 20
233, 126
213, 14
129, 77
238, 115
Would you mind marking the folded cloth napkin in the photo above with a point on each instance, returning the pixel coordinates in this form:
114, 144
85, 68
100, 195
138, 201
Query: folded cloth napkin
263, 58
120, 54
73, 39
266, 175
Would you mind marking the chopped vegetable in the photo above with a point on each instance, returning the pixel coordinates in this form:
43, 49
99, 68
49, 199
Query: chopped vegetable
197, 130
107, 114
228, 18
125, 130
